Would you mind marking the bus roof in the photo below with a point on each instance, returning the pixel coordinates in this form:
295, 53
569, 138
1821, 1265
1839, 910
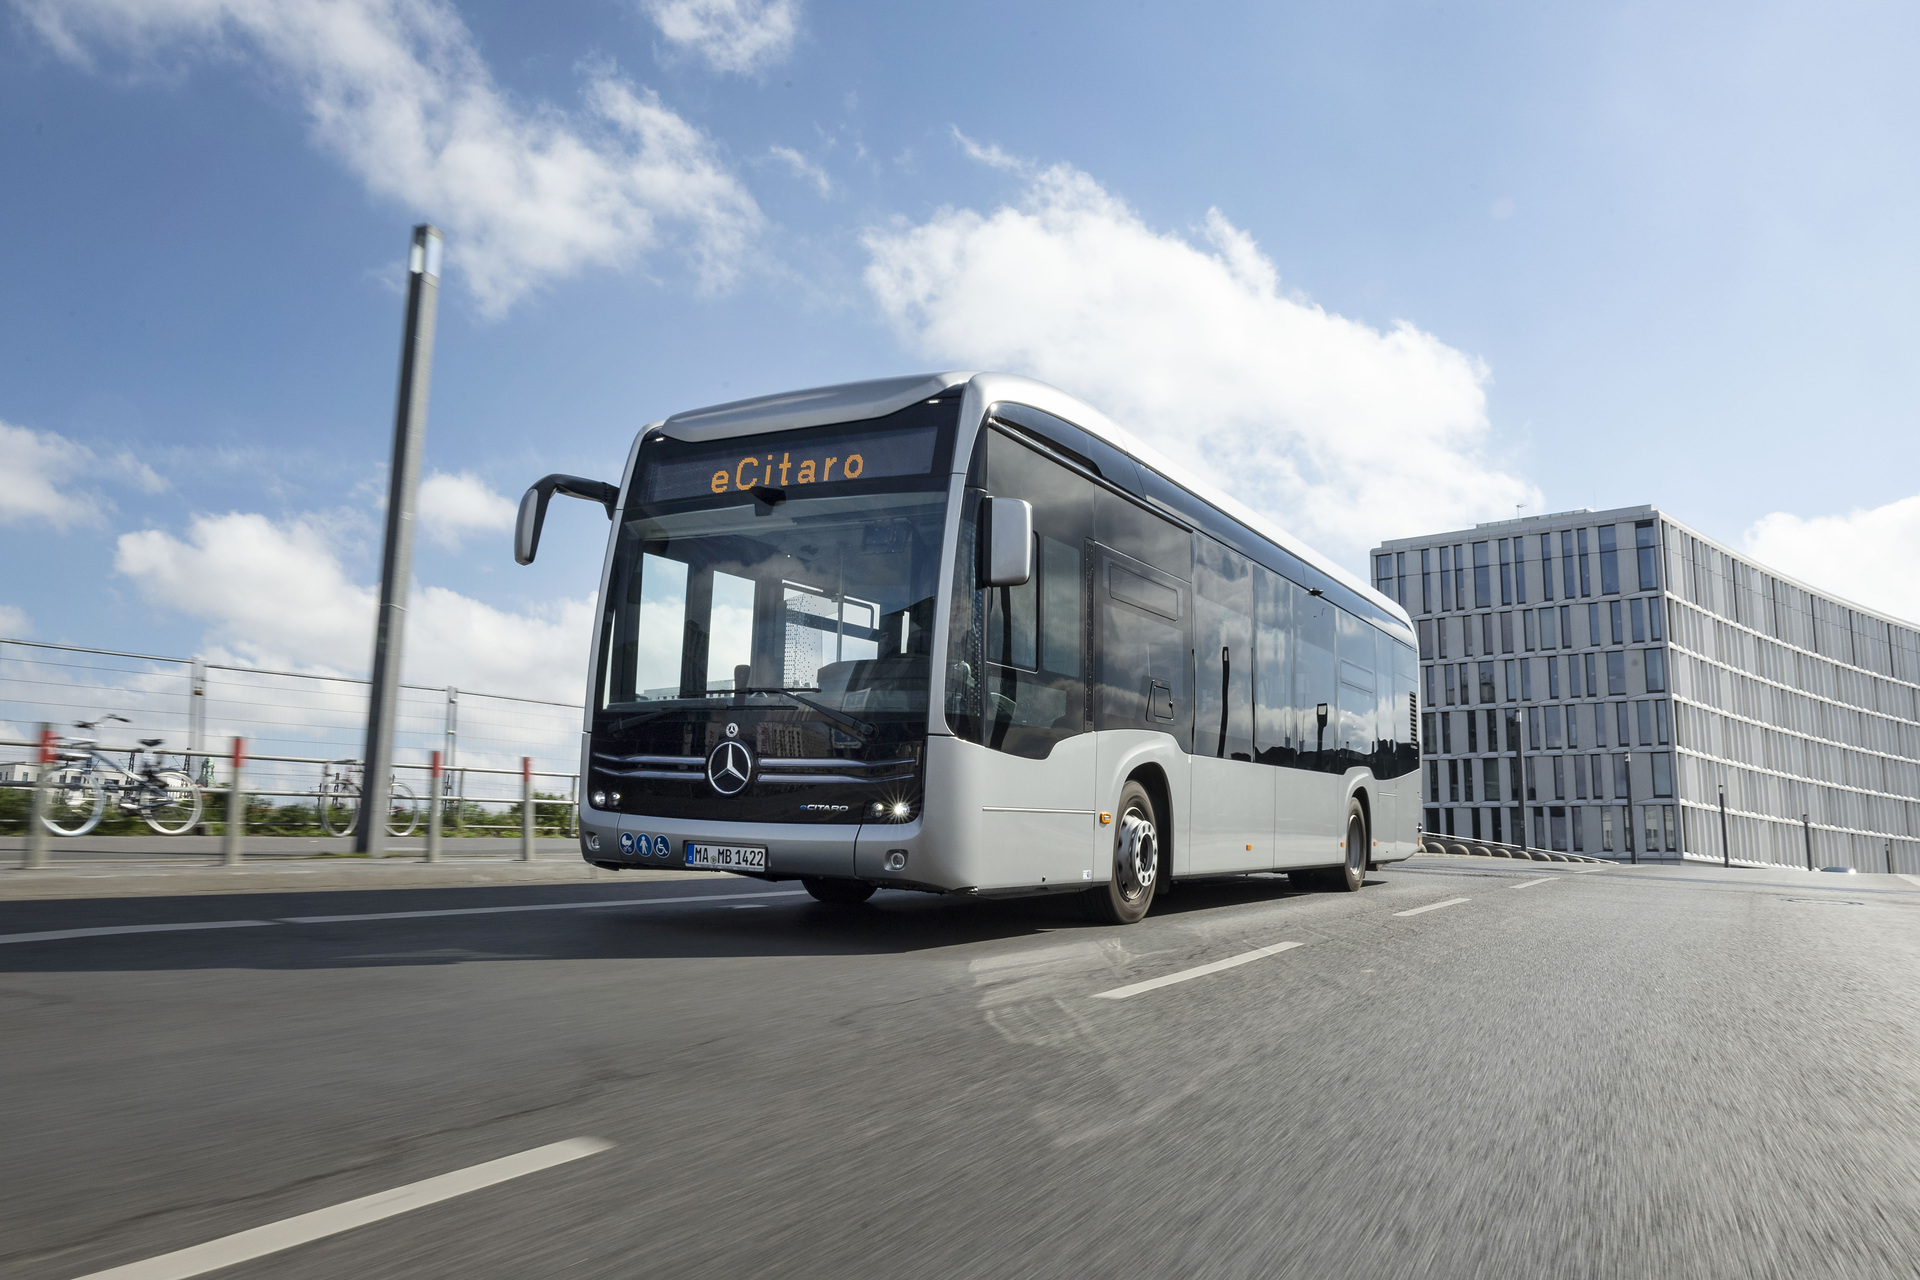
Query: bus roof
854, 401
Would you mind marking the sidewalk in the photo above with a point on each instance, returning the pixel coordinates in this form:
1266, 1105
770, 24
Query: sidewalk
140, 866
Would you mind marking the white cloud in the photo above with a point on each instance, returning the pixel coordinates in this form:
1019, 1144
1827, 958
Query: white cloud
14, 622
1865, 555
804, 168
990, 154
1342, 432
275, 594
453, 506
398, 90
732, 35
37, 474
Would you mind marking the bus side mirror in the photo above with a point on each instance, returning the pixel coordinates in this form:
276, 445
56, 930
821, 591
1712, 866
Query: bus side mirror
533, 508
1009, 542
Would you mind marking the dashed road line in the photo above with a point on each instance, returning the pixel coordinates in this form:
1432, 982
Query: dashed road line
1528, 884
1198, 971
538, 906
107, 931
1434, 906
278, 1236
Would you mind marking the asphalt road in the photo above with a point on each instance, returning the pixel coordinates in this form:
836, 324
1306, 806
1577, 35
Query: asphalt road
1572, 1072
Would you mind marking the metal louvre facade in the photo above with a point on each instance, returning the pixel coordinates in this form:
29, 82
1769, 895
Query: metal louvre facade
1593, 681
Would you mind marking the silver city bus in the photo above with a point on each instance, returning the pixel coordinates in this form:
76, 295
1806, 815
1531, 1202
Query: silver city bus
959, 633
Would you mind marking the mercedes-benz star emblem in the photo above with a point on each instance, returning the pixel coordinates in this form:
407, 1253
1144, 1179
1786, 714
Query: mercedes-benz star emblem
730, 768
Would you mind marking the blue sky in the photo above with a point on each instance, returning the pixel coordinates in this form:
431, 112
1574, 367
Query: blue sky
1378, 268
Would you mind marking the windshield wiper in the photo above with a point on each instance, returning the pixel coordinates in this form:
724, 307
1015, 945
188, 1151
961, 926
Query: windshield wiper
859, 726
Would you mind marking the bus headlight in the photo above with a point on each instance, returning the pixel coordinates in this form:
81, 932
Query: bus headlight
599, 799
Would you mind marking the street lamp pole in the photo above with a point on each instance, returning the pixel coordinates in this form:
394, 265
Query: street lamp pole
1726, 858
396, 563
1633, 849
1807, 830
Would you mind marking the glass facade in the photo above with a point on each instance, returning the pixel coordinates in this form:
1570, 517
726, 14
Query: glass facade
1632, 693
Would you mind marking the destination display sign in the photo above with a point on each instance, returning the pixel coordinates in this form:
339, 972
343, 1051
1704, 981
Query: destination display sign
794, 462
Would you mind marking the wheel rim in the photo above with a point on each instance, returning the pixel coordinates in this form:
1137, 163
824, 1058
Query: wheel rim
1356, 847
173, 804
1136, 855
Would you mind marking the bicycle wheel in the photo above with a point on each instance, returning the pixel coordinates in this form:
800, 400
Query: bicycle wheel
75, 802
339, 809
170, 802
403, 811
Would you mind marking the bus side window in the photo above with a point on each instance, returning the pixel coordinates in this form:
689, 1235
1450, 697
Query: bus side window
1405, 706
1223, 644
1316, 683
1277, 727
1358, 713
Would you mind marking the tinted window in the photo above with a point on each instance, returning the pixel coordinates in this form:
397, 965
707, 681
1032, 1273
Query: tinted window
1277, 727
1142, 651
1315, 682
1223, 610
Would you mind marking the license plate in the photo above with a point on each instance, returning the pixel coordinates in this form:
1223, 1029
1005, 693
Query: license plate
726, 857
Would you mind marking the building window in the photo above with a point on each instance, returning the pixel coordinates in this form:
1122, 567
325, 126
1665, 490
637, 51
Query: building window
1619, 636
1493, 730
1606, 830
1433, 785
1546, 566
1593, 688
1383, 574
1639, 612
1513, 693
1653, 619
1476, 819
1533, 729
1466, 783
1425, 628
1662, 725
1433, 819
1531, 789
1573, 728
1566, 626
1645, 716
1599, 725
1526, 679
1426, 580
1490, 781
1586, 588
1553, 677
1616, 673
1453, 782
1656, 671
1473, 733
1620, 779
1486, 682
1446, 579
1593, 625
1666, 814
1460, 574
1609, 563
1598, 768
1555, 739
1486, 634
1663, 774
1513, 782
1506, 633
1625, 734
1506, 573
1446, 733
1652, 816
1549, 638
1530, 631
1482, 577
1579, 839
1427, 734
1433, 691
1449, 669
1573, 675
1400, 586
1643, 544
1497, 839
1519, 571
1566, 560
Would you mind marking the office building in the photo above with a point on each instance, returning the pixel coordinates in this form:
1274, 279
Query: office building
1598, 682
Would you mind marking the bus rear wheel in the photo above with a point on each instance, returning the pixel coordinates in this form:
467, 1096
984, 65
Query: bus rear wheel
1350, 876
1135, 872
844, 893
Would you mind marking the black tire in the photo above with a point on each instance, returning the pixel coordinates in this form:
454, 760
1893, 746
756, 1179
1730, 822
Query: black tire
844, 893
1133, 875
1349, 877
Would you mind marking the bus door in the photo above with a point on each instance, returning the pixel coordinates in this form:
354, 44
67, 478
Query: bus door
1142, 618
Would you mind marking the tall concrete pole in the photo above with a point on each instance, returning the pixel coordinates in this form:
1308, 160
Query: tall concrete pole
396, 561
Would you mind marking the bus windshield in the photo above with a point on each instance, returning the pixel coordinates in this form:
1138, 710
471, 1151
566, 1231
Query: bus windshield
816, 593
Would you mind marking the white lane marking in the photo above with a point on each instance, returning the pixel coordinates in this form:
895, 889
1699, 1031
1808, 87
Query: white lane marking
1528, 884
288, 1232
538, 906
1200, 971
1434, 906
54, 935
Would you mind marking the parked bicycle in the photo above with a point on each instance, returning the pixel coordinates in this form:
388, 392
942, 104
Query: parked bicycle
340, 800
87, 780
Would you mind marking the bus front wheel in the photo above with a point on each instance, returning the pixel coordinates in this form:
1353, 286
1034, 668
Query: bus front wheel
1135, 872
838, 892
